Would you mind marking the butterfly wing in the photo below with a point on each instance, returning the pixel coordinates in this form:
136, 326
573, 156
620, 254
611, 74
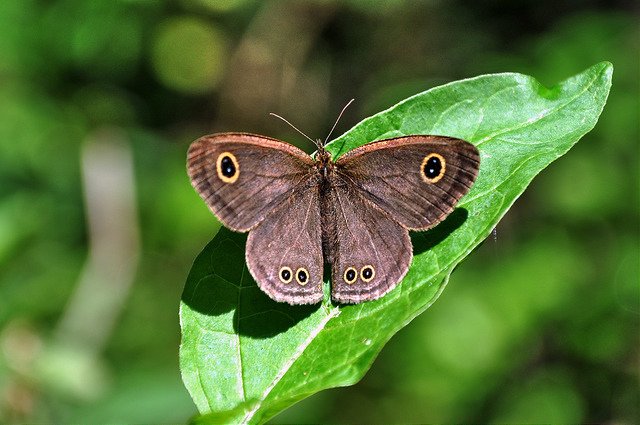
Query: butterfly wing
284, 252
243, 177
370, 252
417, 180
269, 187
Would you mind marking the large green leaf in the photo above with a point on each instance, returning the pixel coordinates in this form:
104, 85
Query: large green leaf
244, 358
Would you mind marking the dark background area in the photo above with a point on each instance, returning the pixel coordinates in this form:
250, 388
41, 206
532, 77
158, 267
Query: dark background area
99, 223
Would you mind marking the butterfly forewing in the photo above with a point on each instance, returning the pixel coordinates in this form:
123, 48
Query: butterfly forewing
243, 177
284, 252
417, 180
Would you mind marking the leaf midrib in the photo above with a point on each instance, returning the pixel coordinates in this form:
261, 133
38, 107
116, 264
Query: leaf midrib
333, 312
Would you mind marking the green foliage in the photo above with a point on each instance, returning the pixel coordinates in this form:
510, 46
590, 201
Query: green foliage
549, 305
247, 358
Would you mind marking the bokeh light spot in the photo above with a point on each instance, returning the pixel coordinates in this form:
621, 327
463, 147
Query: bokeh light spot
189, 55
216, 5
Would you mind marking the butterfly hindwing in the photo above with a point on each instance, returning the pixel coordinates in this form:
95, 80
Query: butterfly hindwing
284, 252
370, 253
417, 180
243, 177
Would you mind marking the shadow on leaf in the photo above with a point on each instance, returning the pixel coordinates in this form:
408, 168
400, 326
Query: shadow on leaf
424, 241
220, 282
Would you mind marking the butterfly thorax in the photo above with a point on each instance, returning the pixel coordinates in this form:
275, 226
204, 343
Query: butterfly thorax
323, 162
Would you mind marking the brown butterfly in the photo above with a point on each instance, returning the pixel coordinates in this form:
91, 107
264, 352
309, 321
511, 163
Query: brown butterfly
353, 213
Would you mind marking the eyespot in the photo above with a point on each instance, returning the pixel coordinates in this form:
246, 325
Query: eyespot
367, 273
302, 276
227, 167
350, 275
433, 167
285, 274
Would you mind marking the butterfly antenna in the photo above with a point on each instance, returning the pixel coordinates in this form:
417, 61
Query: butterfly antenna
338, 119
294, 127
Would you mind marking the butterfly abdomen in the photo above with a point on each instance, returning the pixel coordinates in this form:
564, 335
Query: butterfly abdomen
328, 215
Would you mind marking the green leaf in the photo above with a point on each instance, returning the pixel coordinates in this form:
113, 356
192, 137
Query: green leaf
244, 358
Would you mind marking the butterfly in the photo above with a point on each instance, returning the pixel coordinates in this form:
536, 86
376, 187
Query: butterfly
353, 213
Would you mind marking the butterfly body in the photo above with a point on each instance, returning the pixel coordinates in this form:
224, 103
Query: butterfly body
353, 213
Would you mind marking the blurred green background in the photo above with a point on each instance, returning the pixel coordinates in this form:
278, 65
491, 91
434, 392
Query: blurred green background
99, 224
